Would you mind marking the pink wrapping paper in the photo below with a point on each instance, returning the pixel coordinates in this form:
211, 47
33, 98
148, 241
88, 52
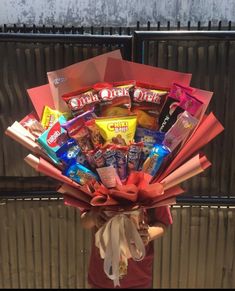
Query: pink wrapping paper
78, 75
118, 70
75, 193
205, 98
41, 96
71, 201
24, 140
191, 168
44, 167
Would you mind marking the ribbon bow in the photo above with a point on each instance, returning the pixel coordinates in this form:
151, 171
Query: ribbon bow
137, 188
118, 239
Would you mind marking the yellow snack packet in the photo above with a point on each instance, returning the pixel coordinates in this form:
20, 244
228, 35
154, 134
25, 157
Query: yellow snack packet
50, 116
119, 130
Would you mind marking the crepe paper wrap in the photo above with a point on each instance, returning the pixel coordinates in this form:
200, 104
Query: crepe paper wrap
44, 167
71, 201
137, 190
17, 132
80, 194
193, 167
118, 70
118, 240
35, 95
78, 75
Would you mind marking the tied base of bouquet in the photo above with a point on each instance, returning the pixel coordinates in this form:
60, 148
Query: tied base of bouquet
119, 240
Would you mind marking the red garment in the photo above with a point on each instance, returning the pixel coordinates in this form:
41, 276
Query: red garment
139, 272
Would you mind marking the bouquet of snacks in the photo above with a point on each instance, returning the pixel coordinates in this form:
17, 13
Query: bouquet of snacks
122, 140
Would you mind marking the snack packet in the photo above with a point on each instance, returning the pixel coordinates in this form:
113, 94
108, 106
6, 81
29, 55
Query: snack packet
95, 136
108, 176
147, 102
134, 156
50, 116
177, 91
53, 138
149, 138
79, 173
82, 136
119, 130
180, 130
78, 122
31, 123
96, 158
81, 100
71, 151
188, 103
109, 153
155, 159
121, 158
179, 99
115, 99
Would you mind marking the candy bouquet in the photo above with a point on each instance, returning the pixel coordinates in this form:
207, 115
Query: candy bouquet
119, 136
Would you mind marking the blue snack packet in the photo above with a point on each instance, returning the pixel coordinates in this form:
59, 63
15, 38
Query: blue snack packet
110, 156
79, 173
149, 138
68, 151
134, 156
155, 159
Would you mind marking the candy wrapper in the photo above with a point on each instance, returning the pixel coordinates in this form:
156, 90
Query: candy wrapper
119, 145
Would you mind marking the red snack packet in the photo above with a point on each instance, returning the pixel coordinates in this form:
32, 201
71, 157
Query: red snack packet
115, 98
81, 100
190, 104
147, 102
31, 123
82, 137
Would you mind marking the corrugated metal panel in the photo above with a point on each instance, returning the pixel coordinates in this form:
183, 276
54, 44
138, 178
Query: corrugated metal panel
42, 245
198, 251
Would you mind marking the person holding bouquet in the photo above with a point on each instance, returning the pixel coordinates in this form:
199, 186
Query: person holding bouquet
139, 273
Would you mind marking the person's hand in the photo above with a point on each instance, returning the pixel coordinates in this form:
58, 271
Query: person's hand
93, 217
144, 233
99, 217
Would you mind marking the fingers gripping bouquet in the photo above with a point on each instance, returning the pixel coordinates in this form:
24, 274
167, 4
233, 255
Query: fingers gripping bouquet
122, 142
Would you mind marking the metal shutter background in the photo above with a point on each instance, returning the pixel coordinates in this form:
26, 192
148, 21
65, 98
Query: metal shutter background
42, 245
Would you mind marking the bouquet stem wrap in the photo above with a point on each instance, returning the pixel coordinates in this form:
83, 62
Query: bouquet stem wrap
118, 240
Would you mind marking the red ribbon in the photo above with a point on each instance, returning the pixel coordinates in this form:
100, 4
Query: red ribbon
136, 189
